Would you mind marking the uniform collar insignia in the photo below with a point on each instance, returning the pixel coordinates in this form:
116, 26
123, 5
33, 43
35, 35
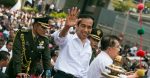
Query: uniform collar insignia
98, 32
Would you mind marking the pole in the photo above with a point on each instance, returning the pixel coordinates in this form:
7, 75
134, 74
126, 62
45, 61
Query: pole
126, 22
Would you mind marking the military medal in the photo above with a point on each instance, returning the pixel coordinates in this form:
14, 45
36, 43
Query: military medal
41, 45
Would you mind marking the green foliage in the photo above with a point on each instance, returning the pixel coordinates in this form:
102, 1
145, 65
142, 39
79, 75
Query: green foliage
30, 9
58, 15
123, 6
147, 4
8, 3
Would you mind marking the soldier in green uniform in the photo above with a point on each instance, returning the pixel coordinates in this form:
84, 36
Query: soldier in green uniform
95, 38
31, 55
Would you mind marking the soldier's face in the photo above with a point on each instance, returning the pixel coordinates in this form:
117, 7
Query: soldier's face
41, 30
94, 43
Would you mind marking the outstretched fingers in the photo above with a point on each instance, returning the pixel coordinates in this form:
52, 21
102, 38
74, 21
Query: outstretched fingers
72, 17
73, 12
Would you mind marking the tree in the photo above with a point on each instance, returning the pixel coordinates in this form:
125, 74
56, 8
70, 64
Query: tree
123, 6
147, 4
7, 3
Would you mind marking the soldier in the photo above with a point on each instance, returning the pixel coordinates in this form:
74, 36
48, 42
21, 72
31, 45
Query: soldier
31, 55
95, 38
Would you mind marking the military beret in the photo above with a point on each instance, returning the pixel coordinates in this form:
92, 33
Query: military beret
96, 34
44, 21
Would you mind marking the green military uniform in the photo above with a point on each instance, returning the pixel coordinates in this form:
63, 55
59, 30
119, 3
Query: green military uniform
30, 54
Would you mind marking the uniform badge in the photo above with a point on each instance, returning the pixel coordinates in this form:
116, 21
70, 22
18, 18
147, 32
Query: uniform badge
27, 43
41, 45
98, 32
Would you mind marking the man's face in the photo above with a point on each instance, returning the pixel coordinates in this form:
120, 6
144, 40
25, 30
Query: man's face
40, 30
114, 51
84, 28
5, 62
94, 43
9, 46
12, 33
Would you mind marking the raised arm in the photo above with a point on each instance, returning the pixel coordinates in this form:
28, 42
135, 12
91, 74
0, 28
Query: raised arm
71, 20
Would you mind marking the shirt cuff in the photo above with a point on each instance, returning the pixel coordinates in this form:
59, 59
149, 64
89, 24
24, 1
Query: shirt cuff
59, 40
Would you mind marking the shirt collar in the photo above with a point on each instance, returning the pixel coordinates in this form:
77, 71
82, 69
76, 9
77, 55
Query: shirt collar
76, 37
107, 56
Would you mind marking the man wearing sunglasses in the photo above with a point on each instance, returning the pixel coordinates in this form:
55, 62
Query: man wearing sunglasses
31, 54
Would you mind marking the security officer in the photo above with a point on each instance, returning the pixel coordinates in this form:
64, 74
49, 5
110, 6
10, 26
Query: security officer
95, 38
31, 55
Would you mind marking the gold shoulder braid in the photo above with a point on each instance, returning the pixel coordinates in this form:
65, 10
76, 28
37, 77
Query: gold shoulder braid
23, 55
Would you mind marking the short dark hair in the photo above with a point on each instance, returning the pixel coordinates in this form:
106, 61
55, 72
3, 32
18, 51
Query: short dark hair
85, 16
4, 55
8, 41
108, 41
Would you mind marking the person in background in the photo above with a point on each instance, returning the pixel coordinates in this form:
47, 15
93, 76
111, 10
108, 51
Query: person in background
75, 49
39, 5
31, 55
4, 60
11, 34
8, 48
54, 56
95, 38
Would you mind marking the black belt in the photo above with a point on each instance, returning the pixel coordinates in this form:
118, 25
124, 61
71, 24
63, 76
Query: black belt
66, 74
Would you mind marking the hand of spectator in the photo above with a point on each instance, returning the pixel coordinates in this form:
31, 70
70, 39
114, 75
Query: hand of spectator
22, 75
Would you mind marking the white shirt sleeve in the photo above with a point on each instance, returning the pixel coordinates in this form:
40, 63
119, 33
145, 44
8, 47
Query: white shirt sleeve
59, 40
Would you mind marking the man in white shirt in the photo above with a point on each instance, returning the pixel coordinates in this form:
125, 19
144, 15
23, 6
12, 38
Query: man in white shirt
110, 47
75, 50
8, 47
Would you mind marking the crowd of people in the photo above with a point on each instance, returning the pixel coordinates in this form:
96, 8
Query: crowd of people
34, 45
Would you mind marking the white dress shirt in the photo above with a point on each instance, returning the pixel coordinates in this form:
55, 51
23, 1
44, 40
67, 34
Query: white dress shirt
99, 64
73, 57
5, 49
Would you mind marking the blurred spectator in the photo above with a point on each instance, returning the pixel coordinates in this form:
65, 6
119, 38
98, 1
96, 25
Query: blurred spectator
4, 60
54, 56
39, 6
8, 48
6, 34
133, 50
125, 51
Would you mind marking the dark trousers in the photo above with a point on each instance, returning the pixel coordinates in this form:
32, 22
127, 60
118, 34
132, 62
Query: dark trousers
61, 74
